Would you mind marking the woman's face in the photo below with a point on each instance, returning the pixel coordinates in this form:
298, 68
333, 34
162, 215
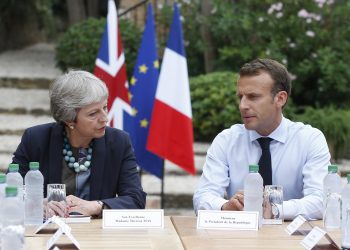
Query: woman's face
91, 121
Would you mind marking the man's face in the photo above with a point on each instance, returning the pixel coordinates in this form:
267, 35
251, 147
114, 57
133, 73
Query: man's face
260, 111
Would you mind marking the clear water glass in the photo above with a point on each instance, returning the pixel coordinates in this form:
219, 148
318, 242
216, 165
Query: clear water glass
273, 204
56, 192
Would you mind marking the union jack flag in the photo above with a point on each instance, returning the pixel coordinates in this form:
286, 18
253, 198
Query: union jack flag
110, 68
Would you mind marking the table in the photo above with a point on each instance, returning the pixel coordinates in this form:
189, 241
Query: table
93, 236
268, 237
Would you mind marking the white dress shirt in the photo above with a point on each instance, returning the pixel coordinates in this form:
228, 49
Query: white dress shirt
299, 157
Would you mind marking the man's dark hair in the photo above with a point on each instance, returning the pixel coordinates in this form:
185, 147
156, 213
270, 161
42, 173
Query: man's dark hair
278, 73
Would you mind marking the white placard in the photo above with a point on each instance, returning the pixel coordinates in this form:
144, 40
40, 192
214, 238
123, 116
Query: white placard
133, 218
63, 228
295, 224
72, 238
54, 238
233, 220
57, 235
58, 221
47, 222
312, 238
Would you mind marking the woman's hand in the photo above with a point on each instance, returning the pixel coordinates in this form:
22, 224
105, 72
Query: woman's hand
75, 204
58, 208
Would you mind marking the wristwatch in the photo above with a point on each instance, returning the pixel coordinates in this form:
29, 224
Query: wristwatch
275, 211
101, 204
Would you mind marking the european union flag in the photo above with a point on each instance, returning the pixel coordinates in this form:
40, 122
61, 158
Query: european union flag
142, 89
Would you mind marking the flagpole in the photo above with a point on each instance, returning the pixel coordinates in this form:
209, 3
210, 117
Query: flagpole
162, 187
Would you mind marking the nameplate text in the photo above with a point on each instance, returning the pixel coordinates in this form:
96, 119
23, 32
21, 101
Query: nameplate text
133, 218
234, 220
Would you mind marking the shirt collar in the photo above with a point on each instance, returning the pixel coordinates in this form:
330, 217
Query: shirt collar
279, 134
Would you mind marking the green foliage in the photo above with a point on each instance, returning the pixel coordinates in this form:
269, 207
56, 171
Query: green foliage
79, 46
41, 9
191, 21
311, 39
334, 124
214, 104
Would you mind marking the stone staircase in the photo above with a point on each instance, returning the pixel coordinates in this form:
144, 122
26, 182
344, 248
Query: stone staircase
25, 76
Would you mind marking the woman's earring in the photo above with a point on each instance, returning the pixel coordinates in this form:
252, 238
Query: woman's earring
71, 127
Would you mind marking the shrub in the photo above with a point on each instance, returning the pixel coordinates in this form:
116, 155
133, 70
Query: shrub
79, 45
214, 104
304, 35
334, 124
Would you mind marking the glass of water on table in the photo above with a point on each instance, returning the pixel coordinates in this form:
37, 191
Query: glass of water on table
57, 193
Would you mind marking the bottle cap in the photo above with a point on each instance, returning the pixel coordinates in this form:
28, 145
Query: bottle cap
13, 167
333, 168
2, 178
11, 191
253, 168
33, 165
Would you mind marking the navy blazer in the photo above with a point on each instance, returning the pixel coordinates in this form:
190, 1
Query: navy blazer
113, 171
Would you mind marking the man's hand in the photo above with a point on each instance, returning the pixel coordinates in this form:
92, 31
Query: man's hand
267, 210
236, 203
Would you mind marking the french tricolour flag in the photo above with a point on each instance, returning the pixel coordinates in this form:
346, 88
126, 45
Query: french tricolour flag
110, 67
171, 133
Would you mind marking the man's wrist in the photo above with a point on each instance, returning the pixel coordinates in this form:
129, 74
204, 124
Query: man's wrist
224, 206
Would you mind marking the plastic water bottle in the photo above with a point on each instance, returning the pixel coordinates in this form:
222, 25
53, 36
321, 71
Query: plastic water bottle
332, 199
13, 178
254, 191
345, 243
34, 188
2, 195
2, 185
12, 235
2, 198
345, 196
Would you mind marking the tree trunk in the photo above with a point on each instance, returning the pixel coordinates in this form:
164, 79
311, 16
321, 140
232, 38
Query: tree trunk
19, 31
93, 9
209, 53
76, 11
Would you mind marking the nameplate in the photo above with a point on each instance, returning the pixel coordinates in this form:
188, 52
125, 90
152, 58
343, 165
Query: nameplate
58, 221
231, 220
133, 218
312, 238
63, 229
295, 224
54, 238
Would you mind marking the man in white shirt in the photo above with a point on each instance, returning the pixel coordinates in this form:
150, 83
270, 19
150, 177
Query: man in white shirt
299, 153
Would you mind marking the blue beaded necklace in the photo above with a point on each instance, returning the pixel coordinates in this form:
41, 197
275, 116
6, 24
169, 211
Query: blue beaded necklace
77, 166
